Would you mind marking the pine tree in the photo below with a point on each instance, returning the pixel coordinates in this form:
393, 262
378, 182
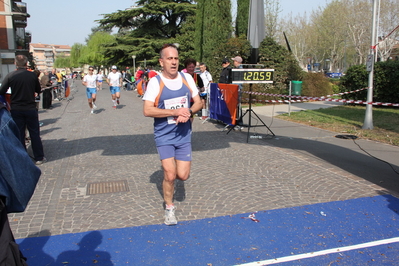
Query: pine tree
144, 29
242, 18
213, 29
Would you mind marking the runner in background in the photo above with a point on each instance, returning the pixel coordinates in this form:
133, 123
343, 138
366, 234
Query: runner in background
114, 80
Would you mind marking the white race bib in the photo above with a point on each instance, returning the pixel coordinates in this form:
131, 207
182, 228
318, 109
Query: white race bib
175, 103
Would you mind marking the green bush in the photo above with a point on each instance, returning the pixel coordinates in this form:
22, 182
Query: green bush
386, 82
316, 85
356, 78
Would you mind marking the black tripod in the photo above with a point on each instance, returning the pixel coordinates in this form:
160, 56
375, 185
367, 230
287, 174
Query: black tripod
250, 111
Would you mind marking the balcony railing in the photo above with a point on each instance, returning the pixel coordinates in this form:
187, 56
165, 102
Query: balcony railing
19, 7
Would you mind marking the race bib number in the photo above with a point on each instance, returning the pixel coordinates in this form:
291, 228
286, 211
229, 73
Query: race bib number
175, 103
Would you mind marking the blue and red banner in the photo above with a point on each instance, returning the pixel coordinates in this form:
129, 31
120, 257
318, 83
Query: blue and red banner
223, 102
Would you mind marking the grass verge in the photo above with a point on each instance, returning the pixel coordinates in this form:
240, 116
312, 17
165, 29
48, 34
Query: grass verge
349, 120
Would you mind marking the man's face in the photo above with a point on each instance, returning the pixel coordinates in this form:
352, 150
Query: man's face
169, 62
202, 68
236, 64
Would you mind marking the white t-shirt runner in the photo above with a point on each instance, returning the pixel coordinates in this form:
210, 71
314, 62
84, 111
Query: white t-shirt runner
90, 81
114, 79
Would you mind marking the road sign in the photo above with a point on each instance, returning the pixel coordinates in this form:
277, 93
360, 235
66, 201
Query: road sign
370, 62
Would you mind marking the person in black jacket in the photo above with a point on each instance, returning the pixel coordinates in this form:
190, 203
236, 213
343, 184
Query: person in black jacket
24, 84
226, 75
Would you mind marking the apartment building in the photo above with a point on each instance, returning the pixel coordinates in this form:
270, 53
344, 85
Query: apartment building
13, 38
44, 55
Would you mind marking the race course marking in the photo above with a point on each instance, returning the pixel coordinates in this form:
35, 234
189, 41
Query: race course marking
323, 252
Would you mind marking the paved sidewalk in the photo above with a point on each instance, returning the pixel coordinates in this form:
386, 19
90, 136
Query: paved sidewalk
278, 109
301, 165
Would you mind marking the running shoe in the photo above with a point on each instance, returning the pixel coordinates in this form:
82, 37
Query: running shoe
41, 162
170, 218
114, 107
94, 106
117, 101
92, 111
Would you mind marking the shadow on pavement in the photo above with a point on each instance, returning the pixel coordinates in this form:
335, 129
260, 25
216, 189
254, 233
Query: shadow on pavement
355, 162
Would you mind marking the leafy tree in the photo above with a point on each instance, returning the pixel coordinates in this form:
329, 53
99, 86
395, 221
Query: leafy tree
331, 29
94, 52
233, 47
212, 31
76, 52
144, 29
272, 8
186, 39
300, 37
273, 55
62, 61
358, 35
389, 20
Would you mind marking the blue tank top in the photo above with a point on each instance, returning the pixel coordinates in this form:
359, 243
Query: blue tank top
166, 133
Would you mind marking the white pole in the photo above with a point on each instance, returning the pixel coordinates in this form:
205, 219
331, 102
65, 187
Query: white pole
368, 120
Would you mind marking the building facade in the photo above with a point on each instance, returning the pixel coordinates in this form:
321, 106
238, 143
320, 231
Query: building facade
44, 55
13, 38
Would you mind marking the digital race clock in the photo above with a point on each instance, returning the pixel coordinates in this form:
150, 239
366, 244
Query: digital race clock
247, 75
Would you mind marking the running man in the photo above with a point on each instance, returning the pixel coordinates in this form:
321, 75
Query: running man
114, 80
167, 100
90, 81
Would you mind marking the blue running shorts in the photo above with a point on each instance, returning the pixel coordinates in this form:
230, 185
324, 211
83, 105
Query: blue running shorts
114, 89
181, 152
90, 91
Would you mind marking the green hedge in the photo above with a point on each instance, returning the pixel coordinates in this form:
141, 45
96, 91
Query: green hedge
386, 82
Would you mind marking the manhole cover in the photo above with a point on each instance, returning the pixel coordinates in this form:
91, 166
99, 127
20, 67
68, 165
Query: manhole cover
107, 187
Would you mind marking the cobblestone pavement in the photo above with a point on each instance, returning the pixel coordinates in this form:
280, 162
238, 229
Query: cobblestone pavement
229, 175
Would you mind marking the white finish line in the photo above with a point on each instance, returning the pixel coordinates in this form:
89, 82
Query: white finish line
322, 252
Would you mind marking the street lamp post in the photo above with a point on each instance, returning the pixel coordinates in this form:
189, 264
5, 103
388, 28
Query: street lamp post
134, 64
368, 120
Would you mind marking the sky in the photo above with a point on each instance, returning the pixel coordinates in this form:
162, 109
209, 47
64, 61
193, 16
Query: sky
70, 22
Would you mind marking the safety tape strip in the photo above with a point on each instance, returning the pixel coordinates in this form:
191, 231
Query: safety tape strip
323, 98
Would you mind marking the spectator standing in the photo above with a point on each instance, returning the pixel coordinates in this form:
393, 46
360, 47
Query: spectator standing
24, 84
225, 75
53, 79
128, 79
167, 100
207, 80
114, 80
59, 87
189, 65
140, 82
46, 83
237, 64
90, 81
